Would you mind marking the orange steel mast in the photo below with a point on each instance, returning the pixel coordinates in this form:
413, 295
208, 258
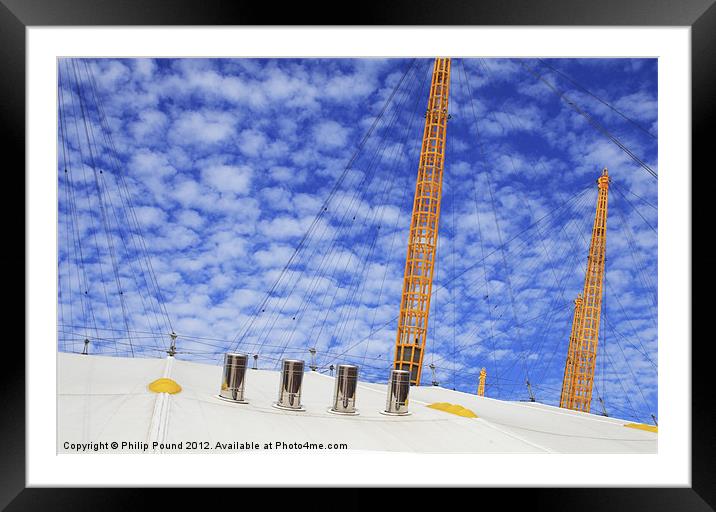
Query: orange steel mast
481, 383
571, 353
423, 237
582, 353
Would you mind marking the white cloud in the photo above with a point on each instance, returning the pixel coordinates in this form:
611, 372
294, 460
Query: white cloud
330, 134
192, 128
228, 178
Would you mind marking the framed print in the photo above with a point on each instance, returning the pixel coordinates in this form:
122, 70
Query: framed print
433, 246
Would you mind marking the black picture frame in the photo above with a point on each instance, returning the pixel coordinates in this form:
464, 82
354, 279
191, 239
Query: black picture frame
17, 15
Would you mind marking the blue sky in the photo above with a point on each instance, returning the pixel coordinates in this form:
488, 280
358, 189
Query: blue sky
193, 187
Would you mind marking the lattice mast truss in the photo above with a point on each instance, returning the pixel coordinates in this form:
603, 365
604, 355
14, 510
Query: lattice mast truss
582, 352
423, 237
481, 383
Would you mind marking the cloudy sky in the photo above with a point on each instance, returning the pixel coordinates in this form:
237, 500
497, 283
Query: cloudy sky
263, 206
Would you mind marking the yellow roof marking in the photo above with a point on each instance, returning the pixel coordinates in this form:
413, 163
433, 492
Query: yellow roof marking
642, 426
456, 409
164, 385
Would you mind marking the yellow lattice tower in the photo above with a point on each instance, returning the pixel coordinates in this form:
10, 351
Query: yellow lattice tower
578, 389
481, 383
571, 352
423, 237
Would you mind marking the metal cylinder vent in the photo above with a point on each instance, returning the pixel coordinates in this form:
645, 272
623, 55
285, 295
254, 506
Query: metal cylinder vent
289, 391
344, 393
398, 389
233, 380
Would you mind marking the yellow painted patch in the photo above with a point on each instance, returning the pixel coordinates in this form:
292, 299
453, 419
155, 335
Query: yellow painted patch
456, 409
164, 385
642, 426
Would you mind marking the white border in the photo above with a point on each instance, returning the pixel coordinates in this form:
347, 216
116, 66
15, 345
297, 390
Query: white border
672, 464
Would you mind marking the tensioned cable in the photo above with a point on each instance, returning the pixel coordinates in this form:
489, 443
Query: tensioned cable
635, 210
324, 206
334, 296
128, 208
552, 310
75, 218
371, 178
616, 297
596, 124
447, 283
477, 263
110, 204
604, 102
494, 211
326, 262
102, 206
540, 237
640, 267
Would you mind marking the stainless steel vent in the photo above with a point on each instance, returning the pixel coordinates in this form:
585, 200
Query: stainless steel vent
344, 393
233, 380
289, 391
398, 389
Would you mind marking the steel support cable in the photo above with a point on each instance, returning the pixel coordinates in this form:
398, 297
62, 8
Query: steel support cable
387, 192
482, 253
187, 351
128, 208
547, 321
68, 229
551, 311
113, 338
621, 336
89, 208
616, 297
451, 151
101, 203
470, 267
358, 279
623, 312
526, 198
221, 343
461, 348
596, 124
604, 102
609, 288
111, 208
604, 350
640, 267
494, 209
74, 217
327, 258
89, 139
635, 414
561, 287
576, 252
634, 208
643, 200
526, 245
81, 282
345, 309
566, 322
191, 339
335, 294
490, 254
338, 333
324, 207
434, 303
402, 205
